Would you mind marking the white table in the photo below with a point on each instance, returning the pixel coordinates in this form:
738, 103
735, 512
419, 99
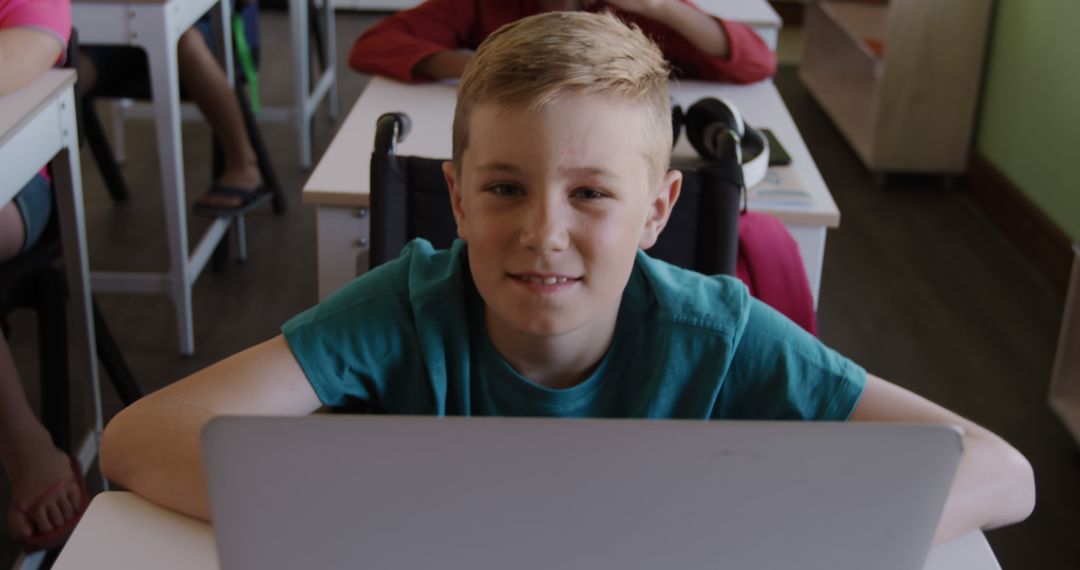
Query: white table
38, 126
155, 26
339, 185
758, 14
307, 96
121, 531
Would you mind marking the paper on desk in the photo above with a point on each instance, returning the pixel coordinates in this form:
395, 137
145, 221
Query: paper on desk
780, 187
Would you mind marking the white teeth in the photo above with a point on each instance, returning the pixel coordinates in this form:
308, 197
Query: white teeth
544, 280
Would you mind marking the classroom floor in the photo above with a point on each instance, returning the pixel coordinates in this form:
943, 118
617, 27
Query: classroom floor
918, 287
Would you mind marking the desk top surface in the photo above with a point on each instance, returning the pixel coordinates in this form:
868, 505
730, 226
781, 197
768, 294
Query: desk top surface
121, 531
16, 108
341, 177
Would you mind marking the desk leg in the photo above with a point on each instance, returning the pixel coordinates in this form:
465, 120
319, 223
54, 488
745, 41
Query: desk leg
330, 37
69, 202
164, 82
298, 17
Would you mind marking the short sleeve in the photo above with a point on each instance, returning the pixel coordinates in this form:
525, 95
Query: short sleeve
377, 339
343, 343
780, 371
50, 16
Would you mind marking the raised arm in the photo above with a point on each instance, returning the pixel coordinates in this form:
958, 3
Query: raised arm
153, 446
994, 485
701, 46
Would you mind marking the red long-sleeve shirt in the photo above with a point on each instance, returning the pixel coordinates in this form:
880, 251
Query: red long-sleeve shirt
395, 45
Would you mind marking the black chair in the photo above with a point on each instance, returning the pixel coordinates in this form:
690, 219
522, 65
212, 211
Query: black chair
34, 281
409, 199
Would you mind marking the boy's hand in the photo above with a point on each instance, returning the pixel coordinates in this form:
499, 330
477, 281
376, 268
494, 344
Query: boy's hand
448, 64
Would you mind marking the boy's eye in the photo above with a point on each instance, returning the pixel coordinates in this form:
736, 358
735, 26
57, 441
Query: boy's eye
505, 189
588, 193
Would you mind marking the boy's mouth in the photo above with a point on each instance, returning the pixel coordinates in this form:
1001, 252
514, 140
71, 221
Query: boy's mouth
535, 279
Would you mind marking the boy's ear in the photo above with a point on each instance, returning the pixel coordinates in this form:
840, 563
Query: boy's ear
455, 197
660, 209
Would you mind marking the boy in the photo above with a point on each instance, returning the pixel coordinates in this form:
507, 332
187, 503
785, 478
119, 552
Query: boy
546, 306
426, 41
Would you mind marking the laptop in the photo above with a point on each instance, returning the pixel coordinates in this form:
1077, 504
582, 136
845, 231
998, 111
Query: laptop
385, 492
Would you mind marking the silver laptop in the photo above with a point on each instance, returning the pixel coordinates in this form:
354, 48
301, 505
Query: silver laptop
385, 492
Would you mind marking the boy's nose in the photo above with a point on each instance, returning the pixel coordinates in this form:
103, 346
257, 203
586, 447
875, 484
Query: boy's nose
544, 228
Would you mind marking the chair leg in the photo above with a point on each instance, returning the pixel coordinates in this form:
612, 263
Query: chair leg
53, 356
317, 35
103, 155
266, 166
113, 361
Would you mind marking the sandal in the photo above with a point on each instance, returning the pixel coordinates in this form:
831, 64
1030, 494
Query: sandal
58, 535
249, 200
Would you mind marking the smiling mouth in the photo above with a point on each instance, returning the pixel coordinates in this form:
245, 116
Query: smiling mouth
544, 279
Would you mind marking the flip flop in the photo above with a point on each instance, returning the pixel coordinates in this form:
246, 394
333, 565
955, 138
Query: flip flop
249, 200
58, 535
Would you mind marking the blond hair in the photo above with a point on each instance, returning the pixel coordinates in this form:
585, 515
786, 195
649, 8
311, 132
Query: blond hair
536, 60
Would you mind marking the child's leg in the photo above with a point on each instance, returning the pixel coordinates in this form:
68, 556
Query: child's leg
32, 463
205, 80
12, 232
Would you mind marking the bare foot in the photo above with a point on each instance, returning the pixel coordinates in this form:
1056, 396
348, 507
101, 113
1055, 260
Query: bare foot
34, 471
247, 178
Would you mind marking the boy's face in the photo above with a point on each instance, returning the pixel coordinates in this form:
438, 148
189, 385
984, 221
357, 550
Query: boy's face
554, 205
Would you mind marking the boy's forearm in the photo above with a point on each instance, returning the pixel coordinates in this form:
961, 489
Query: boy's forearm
699, 28
448, 64
153, 448
994, 486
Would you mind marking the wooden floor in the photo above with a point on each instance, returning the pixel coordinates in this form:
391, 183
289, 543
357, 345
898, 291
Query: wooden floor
918, 287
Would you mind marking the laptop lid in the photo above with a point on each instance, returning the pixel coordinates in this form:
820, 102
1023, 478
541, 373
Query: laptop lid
498, 493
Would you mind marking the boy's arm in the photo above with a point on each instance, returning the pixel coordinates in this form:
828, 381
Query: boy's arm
25, 54
420, 43
994, 484
153, 447
706, 47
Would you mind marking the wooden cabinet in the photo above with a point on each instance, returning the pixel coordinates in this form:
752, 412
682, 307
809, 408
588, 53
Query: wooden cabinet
900, 79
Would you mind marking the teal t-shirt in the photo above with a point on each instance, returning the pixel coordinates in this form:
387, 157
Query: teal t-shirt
408, 337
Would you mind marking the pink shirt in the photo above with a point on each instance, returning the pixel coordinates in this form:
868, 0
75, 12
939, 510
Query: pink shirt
50, 16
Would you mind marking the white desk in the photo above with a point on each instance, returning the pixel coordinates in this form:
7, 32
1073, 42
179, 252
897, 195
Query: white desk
38, 125
339, 185
757, 14
121, 531
155, 26
308, 94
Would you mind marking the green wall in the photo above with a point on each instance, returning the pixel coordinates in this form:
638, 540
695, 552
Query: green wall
1029, 125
